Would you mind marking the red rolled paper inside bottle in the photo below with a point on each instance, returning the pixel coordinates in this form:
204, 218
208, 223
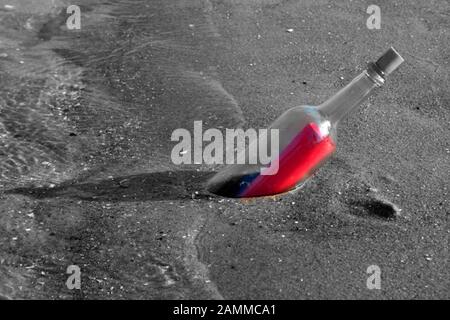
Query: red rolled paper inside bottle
307, 138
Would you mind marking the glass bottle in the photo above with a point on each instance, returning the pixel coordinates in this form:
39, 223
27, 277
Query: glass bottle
307, 138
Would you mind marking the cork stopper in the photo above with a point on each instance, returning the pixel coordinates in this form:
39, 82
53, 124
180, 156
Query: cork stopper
389, 61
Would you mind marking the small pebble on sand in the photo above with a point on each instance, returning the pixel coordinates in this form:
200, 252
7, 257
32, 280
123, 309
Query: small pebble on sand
125, 183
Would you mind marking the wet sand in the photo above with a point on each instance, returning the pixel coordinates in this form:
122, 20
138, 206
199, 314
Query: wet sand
90, 181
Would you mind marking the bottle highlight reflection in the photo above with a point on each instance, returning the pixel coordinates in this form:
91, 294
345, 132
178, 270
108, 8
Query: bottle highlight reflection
307, 138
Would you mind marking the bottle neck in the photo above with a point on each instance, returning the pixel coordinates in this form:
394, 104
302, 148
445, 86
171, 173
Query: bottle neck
352, 95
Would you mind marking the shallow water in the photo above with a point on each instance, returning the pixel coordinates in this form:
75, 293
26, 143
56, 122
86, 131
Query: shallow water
37, 88
102, 101
65, 92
